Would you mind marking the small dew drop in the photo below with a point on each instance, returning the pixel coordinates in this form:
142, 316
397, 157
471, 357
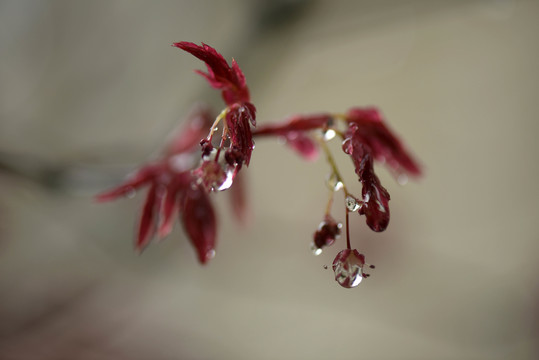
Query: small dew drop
402, 179
333, 182
329, 134
210, 254
316, 250
130, 192
352, 203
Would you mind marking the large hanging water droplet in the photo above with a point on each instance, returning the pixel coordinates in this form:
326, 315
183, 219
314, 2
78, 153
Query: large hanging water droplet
348, 268
352, 204
333, 182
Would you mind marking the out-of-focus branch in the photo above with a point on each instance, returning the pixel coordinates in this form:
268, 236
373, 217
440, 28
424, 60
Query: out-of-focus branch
63, 176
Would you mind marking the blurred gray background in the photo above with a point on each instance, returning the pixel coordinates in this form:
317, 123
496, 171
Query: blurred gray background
90, 89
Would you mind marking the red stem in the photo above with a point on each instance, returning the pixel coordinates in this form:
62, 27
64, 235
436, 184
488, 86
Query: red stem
347, 232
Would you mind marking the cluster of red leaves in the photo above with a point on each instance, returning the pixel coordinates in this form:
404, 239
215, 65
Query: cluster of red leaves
172, 188
174, 184
367, 138
180, 181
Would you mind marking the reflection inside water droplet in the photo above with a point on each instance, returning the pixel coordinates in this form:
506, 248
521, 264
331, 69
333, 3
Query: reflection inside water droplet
348, 268
348, 275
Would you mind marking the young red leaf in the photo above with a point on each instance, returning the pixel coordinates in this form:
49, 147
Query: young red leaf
302, 144
375, 197
147, 219
385, 146
298, 123
199, 222
229, 79
167, 211
238, 198
238, 119
134, 181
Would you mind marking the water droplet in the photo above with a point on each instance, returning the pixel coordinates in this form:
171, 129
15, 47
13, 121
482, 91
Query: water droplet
352, 204
325, 267
402, 179
333, 182
130, 192
210, 254
315, 249
348, 268
329, 134
228, 181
